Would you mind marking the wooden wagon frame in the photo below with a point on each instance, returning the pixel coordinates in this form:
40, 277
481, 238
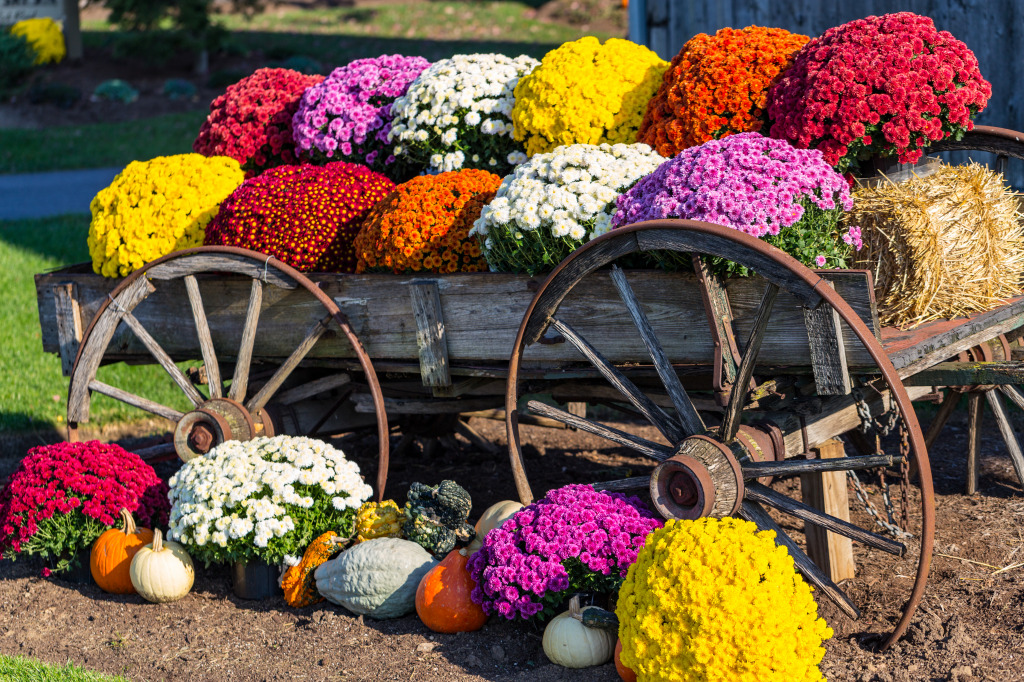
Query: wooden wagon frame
318, 353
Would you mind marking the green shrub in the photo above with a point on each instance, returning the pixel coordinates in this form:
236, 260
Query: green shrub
16, 60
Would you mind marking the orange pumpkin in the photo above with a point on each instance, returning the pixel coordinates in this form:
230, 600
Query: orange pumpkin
442, 598
112, 554
626, 674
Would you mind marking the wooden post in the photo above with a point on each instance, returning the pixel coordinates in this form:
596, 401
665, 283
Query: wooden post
69, 325
430, 336
827, 492
973, 440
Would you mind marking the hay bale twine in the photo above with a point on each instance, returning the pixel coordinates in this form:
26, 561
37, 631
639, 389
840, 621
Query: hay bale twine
941, 246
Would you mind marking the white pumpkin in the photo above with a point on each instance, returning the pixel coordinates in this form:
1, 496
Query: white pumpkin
570, 643
376, 578
495, 515
162, 571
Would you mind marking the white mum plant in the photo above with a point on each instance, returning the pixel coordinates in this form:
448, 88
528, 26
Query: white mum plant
556, 201
457, 114
265, 498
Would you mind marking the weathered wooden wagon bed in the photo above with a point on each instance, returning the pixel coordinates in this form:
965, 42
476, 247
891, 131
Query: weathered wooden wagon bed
747, 380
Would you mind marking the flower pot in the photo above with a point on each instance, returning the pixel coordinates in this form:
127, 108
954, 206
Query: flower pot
255, 579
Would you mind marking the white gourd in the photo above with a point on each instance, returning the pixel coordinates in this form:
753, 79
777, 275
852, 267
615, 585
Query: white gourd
376, 578
571, 644
495, 515
162, 571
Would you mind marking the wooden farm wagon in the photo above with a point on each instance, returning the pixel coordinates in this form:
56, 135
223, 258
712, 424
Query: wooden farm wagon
747, 382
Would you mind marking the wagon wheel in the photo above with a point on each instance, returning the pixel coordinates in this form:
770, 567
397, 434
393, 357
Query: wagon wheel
243, 409
714, 471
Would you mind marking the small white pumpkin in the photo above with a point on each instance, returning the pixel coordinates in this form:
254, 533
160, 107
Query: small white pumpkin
570, 643
162, 571
495, 515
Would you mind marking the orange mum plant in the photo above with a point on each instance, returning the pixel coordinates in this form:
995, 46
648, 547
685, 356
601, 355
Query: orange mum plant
423, 225
717, 85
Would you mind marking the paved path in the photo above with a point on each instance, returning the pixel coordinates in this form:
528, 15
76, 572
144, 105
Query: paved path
38, 195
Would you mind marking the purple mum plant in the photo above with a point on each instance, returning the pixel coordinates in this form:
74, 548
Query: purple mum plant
764, 187
347, 117
575, 539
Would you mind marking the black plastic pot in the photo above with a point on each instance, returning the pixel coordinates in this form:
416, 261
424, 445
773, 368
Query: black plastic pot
255, 579
79, 574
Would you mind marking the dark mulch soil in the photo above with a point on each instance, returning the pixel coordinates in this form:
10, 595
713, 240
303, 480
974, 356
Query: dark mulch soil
970, 626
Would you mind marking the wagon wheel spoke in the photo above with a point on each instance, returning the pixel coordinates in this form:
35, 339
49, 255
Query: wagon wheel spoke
135, 400
753, 470
657, 416
240, 380
691, 421
762, 493
284, 371
641, 445
1006, 429
731, 421
163, 358
632, 483
752, 511
195, 301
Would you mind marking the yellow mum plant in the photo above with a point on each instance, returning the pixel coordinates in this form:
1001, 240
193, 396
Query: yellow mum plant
45, 37
155, 207
584, 92
715, 600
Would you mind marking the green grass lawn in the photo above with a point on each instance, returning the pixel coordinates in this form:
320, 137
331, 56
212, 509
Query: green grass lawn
336, 35
33, 393
19, 669
98, 146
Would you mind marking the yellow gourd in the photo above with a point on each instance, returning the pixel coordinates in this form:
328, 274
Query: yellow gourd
375, 520
298, 582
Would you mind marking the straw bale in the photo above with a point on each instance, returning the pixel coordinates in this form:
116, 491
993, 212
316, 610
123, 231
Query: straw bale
941, 246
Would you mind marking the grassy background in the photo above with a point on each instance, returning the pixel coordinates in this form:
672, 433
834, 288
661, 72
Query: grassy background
97, 146
33, 393
19, 669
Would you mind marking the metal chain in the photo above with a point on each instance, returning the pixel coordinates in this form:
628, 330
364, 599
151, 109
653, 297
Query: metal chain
882, 424
862, 497
905, 474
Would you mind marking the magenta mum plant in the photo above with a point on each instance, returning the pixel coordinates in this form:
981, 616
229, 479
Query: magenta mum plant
764, 187
347, 117
575, 539
63, 496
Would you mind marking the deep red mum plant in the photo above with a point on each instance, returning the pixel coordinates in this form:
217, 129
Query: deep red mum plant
306, 216
252, 121
63, 496
879, 86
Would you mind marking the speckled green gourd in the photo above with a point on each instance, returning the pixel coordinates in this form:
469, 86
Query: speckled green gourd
377, 578
436, 516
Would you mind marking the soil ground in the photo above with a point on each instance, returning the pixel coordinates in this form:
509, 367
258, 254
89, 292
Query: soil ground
970, 626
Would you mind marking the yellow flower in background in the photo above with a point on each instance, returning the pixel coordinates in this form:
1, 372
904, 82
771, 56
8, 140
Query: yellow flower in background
45, 37
733, 609
584, 92
155, 207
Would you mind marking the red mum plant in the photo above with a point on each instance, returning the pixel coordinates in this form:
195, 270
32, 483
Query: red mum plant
63, 496
305, 216
252, 121
880, 86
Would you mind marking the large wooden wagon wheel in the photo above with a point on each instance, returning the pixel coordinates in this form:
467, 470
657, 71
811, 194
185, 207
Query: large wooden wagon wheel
239, 404
706, 469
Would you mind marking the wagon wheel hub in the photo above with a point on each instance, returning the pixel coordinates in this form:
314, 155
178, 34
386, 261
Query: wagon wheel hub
214, 422
702, 478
